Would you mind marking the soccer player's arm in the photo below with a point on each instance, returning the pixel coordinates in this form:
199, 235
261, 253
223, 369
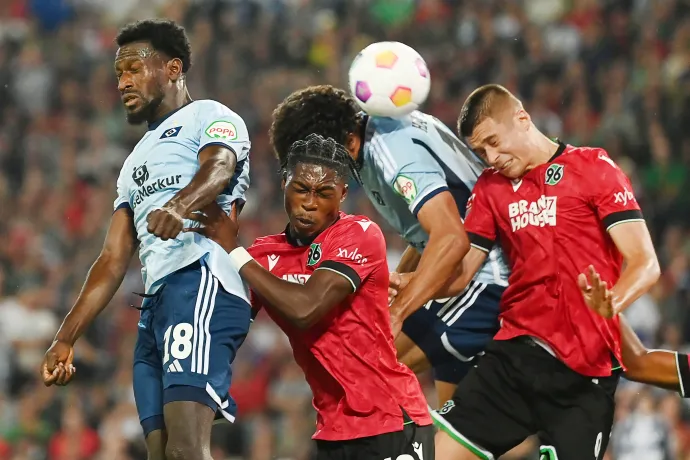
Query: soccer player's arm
223, 145
106, 274
621, 216
422, 185
336, 277
409, 260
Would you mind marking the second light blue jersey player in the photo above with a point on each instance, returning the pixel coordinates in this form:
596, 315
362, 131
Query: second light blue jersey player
196, 307
404, 163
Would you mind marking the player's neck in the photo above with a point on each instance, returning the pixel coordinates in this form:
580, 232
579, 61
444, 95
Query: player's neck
172, 103
543, 149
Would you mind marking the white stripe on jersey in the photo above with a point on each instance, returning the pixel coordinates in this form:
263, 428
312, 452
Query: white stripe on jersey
207, 333
384, 155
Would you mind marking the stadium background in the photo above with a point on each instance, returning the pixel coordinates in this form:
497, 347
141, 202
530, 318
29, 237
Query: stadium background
609, 73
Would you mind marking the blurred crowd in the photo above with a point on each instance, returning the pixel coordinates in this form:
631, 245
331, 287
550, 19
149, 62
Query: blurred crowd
610, 73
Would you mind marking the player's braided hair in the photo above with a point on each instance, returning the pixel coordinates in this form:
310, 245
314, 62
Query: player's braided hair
164, 35
316, 149
324, 110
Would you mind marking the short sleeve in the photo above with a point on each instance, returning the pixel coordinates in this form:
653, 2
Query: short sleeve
122, 200
222, 126
479, 219
612, 193
354, 250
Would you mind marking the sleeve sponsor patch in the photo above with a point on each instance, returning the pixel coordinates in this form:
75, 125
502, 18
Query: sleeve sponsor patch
406, 188
222, 129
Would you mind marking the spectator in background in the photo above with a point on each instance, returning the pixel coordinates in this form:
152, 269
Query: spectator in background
609, 72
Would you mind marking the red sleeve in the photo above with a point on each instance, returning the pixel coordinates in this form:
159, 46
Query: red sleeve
479, 219
612, 193
354, 250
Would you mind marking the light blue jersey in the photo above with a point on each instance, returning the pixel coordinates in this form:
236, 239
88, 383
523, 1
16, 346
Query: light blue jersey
162, 163
408, 161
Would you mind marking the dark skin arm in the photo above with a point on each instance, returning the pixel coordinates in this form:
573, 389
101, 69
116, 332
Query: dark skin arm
652, 367
302, 305
448, 244
409, 260
101, 283
217, 167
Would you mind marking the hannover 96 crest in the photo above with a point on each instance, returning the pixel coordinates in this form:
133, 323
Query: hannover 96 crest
314, 254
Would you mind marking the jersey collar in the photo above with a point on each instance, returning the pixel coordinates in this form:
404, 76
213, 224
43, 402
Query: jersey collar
155, 124
559, 151
297, 242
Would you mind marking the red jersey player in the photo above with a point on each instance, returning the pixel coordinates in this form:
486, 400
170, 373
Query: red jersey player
324, 281
557, 211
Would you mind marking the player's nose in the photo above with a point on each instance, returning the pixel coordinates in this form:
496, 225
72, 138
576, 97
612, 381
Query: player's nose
124, 84
491, 156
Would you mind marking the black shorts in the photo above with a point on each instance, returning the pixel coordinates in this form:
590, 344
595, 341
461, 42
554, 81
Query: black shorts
414, 441
519, 389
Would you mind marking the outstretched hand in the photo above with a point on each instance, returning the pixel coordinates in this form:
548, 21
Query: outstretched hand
216, 225
596, 293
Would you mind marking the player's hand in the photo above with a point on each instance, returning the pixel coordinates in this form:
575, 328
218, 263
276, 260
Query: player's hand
57, 368
217, 226
396, 283
165, 223
596, 293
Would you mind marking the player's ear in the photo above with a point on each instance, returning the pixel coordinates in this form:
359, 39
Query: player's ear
523, 119
353, 144
346, 188
174, 69
283, 182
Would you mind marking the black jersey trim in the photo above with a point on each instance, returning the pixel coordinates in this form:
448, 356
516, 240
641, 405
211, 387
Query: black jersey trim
620, 217
343, 269
559, 152
480, 242
427, 197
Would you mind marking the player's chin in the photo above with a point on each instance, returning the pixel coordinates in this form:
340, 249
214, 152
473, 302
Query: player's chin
136, 115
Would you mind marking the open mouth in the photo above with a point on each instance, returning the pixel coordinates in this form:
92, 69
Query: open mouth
304, 221
130, 99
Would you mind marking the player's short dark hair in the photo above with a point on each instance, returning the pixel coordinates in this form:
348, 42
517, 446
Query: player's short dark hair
323, 110
315, 149
479, 105
165, 36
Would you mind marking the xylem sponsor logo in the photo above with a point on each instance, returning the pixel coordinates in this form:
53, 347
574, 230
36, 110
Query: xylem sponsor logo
297, 278
538, 213
624, 197
147, 190
354, 255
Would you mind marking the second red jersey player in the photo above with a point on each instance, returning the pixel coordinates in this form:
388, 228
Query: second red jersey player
324, 281
348, 357
567, 219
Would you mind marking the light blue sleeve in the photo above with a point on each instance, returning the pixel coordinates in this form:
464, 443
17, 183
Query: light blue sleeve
122, 200
218, 125
408, 163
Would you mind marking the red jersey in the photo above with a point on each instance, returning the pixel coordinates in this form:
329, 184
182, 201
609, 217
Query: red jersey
552, 224
348, 358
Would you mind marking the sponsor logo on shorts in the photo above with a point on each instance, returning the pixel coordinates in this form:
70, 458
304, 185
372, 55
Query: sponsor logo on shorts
540, 213
447, 407
352, 255
624, 197
222, 130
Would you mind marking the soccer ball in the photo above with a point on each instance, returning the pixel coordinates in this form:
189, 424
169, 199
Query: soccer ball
389, 79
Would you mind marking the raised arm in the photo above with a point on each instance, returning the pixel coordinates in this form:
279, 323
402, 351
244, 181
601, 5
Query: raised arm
103, 280
409, 260
441, 258
216, 168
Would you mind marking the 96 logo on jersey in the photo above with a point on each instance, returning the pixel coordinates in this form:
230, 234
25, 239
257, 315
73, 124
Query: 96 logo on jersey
538, 213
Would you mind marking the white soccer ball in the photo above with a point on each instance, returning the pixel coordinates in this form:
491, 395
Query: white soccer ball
389, 79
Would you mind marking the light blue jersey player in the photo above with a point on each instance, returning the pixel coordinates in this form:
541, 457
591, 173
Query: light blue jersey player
196, 311
419, 177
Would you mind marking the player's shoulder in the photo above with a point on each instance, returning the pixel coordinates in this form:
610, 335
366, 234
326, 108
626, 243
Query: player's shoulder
356, 226
208, 108
268, 243
490, 176
587, 154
